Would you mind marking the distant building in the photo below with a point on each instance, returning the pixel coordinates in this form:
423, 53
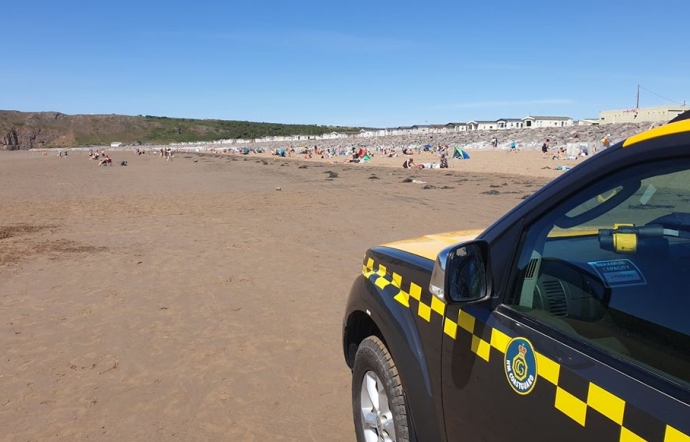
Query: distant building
659, 114
336, 135
540, 121
482, 125
509, 123
456, 127
420, 129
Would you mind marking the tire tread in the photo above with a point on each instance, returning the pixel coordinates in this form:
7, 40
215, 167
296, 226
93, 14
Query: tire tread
371, 352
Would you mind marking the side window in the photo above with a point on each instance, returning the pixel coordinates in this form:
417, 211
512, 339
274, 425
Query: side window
611, 266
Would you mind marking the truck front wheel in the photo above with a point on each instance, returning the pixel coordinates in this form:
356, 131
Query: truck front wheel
378, 403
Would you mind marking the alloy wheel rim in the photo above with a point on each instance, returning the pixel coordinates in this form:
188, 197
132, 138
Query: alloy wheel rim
376, 415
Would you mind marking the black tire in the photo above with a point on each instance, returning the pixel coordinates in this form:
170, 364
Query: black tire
372, 357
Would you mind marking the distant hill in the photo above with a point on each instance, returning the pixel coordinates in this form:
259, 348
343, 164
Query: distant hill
26, 130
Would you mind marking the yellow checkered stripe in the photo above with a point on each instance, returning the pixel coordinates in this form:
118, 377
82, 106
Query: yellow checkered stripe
598, 398
384, 281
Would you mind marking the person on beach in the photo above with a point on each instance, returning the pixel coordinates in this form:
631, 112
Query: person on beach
606, 141
409, 164
560, 154
545, 148
513, 146
355, 158
428, 166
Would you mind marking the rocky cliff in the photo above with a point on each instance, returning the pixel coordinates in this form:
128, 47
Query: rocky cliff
28, 130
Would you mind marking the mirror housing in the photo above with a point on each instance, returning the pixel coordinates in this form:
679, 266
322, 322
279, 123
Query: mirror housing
461, 272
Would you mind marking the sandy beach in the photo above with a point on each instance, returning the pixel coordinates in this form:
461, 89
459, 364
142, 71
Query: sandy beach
201, 299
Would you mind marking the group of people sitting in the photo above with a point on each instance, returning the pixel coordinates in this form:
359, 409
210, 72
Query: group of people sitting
561, 153
442, 164
101, 157
106, 161
281, 152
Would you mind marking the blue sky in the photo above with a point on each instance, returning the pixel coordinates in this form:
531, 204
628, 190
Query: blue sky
357, 63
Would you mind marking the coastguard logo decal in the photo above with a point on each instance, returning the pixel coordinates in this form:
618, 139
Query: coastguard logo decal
520, 364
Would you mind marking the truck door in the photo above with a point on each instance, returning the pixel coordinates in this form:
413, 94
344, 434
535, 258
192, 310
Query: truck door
591, 340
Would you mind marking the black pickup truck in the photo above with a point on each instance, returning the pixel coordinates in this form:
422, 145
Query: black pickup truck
568, 319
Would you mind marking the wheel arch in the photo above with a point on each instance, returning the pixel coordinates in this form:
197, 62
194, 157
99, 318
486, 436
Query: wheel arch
371, 311
359, 326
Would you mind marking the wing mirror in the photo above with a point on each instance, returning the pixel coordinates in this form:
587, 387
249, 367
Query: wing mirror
460, 272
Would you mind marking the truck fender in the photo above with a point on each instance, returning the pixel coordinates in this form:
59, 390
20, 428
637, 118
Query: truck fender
399, 332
